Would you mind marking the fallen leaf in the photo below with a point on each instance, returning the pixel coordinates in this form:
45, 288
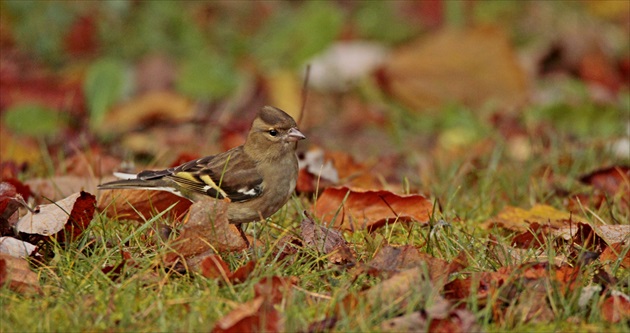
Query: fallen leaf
257, 315
442, 68
138, 205
519, 219
58, 187
613, 181
18, 149
151, 107
326, 241
213, 267
92, 163
616, 308
396, 289
439, 317
242, 273
392, 259
614, 252
522, 288
16, 273
65, 218
369, 209
320, 169
16, 248
114, 272
206, 231
274, 288
10, 202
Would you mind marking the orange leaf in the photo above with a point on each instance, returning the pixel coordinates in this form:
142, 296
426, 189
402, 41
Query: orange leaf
369, 209
140, 204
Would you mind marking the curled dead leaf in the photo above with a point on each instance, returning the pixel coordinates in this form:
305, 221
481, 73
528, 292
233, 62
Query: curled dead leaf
326, 241
16, 248
65, 219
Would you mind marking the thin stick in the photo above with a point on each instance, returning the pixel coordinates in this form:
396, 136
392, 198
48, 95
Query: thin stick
304, 92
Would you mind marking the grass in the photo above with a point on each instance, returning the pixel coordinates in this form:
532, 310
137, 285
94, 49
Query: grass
470, 185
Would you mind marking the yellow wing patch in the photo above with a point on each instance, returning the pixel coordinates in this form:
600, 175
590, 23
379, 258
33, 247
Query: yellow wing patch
206, 179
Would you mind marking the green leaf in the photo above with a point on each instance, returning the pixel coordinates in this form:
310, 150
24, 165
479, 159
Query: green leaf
207, 76
34, 120
103, 87
379, 20
290, 38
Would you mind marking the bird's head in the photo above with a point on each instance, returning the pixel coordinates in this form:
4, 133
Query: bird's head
273, 133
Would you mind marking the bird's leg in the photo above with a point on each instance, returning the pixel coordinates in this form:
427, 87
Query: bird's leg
242, 232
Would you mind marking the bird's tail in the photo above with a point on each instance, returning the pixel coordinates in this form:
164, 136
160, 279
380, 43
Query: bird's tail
131, 181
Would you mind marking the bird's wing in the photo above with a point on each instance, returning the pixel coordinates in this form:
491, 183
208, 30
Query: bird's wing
227, 175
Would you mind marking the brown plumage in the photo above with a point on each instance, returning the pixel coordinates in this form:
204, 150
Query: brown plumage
258, 177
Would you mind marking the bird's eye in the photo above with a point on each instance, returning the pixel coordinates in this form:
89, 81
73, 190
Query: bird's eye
273, 132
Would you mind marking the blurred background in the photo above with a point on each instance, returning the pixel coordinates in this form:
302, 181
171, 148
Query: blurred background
393, 84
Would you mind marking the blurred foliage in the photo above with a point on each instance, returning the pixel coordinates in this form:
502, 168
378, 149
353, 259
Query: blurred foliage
378, 20
34, 120
39, 27
103, 87
291, 36
207, 75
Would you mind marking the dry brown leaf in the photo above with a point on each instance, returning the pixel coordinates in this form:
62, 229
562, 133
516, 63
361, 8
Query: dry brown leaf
391, 259
614, 252
91, 163
357, 209
399, 287
206, 231
440, 316
257, 315
472, 66
18, 275
59, 187
138, 205
151, 107
612, 181
65, 218
326, 241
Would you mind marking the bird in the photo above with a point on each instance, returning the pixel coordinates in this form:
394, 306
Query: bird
257, 177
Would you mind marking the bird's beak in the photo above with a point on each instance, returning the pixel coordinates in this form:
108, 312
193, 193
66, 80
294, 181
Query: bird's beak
295, 135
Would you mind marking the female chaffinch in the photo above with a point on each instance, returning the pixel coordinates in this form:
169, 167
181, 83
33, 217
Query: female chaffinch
258, 177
